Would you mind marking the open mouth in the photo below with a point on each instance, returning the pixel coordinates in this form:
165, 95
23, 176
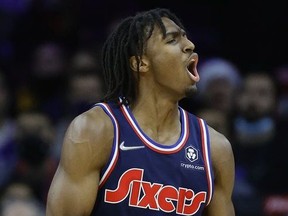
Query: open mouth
192, 67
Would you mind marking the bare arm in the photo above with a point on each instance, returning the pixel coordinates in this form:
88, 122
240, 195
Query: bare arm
85, 150
223, 166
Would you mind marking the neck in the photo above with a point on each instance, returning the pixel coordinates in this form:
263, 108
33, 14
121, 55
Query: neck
158, 118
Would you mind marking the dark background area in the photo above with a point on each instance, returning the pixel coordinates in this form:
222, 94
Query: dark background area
252, 34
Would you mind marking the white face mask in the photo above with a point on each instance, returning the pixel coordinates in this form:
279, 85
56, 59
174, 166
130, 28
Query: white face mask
256, 132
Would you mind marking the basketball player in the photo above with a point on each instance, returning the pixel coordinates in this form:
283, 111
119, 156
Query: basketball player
138, 153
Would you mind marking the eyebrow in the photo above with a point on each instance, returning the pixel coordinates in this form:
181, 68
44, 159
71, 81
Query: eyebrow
175, 33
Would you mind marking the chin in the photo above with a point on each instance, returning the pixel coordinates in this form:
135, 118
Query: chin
191, 91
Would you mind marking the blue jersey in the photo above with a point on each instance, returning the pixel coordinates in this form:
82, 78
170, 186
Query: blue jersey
145, 178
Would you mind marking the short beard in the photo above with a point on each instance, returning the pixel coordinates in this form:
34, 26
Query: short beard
191, 91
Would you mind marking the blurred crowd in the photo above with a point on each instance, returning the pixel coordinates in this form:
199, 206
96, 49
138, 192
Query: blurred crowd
46, 82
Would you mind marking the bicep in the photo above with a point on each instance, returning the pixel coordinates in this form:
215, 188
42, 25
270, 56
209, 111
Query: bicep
224, 171
71, 196
85, 150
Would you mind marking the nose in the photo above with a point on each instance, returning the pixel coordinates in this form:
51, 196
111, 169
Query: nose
188, 46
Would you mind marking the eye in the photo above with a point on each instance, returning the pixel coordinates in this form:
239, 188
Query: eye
172, 40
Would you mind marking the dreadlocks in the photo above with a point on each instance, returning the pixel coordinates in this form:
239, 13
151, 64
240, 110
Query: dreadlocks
129, 39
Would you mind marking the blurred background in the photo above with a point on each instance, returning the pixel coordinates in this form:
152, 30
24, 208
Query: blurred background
50, 72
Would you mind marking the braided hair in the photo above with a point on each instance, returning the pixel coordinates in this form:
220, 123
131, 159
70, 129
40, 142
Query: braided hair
129, 39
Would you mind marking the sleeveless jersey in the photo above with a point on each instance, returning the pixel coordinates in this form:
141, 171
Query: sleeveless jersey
145, 178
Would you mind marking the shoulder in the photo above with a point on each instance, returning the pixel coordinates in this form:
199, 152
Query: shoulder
93, 122
218, 140
221, 149
89, 136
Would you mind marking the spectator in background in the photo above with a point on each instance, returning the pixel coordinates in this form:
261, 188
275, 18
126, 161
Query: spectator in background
85, 86
220, 81
256, 110
48, 67
18, 200
35, 165
276, 199
7, 134
255, 133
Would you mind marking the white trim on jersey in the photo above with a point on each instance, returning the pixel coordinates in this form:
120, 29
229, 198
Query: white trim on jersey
206, 155
112, 162
164, 149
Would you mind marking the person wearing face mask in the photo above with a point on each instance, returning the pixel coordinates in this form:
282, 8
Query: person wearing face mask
254, 138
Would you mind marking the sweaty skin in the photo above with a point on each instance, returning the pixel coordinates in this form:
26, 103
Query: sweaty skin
164, 80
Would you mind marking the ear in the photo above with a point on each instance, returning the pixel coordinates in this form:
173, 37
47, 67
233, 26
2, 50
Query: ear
144, 64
